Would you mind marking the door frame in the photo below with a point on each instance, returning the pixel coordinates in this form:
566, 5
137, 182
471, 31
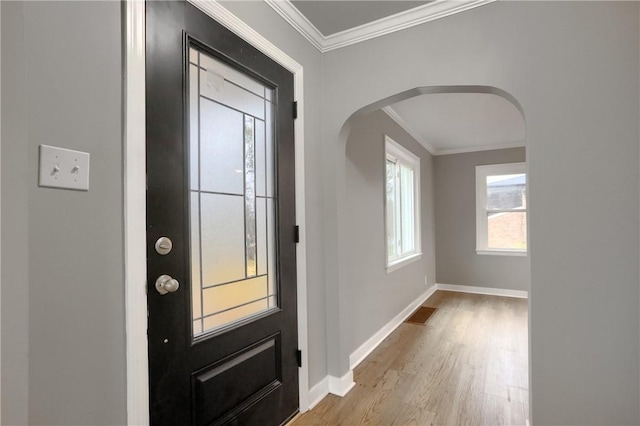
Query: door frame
134, 170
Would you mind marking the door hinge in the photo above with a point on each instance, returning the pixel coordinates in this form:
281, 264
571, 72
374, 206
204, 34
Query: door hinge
296, 234
295, 110
299, 357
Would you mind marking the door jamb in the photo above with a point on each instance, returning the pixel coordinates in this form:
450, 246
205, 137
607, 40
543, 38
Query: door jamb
135, 198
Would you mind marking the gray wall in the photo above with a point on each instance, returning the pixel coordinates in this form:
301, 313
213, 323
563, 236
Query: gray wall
573, 67
15, 223
456, 259
375, 296
62, 264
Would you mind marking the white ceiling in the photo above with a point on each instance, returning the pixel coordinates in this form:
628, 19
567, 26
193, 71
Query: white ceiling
332, 16
447, 123
443, 123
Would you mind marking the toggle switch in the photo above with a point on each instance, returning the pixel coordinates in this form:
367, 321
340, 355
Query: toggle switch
63, 168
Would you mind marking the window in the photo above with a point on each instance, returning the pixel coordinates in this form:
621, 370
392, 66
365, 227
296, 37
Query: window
402, 205
501, 209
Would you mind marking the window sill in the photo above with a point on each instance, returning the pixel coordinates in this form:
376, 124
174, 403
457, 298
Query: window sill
491, 252
399, 263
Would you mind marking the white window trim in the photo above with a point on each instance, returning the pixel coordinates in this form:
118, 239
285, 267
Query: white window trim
396, 152
403, 261
481, 206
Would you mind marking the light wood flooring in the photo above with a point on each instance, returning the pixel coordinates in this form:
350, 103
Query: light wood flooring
466, 366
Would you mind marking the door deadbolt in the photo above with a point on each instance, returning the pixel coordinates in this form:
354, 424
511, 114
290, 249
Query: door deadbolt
165, 284
164, 245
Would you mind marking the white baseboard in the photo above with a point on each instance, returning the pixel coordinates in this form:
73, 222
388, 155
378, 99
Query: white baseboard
318, 392
521, 294
341, 385
367, 347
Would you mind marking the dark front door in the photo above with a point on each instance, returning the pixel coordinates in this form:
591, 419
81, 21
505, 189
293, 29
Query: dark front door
220, 170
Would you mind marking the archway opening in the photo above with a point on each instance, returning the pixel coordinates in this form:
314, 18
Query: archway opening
372, 298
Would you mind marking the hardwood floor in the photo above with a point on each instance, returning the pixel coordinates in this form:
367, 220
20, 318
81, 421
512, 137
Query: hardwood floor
466, 366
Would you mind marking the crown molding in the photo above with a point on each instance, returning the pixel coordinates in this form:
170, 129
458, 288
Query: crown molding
299, 22
399, 21
491, 147
407, 128
422, 141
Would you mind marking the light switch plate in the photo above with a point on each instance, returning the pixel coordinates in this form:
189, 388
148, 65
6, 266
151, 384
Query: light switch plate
63, 168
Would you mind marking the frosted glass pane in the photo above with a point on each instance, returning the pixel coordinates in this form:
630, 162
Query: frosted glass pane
229, 296
214, 86
506, 192
221, 149
224, 318
250, 195
233, 185
229, 74
270, 150
408, 212
196, 285
194, 142
261, 234
261, 158
271, 246
223, 254
197, 327
193, 55
507, 230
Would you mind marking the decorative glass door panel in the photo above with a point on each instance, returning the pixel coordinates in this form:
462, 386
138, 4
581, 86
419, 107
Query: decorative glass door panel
232, 219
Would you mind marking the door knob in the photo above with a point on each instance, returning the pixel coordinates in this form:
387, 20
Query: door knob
165, 284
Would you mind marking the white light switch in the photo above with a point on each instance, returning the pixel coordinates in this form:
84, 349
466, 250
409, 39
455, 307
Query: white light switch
64, 168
